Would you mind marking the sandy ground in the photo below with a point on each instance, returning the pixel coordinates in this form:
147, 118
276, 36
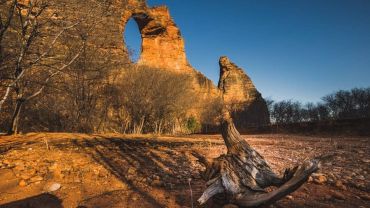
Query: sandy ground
113, 170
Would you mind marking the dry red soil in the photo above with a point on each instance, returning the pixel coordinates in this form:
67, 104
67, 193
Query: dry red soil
147, 171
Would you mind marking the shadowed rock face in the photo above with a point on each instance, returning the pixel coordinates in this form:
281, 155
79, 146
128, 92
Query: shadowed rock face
241, 96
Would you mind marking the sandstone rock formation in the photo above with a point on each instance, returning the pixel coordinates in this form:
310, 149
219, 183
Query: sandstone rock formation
241, 96
162, 45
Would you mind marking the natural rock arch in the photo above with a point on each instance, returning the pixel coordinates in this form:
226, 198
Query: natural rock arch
132, 40
162, 45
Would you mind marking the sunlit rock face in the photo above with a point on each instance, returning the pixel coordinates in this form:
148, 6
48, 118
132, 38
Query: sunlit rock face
240, 95
162, 44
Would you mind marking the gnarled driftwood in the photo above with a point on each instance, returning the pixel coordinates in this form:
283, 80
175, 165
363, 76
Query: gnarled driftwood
243, 174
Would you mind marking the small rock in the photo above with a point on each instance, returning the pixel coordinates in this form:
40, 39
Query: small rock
290, 197
131, 171
330, 181
149, 180
57, 173
36, 179
53, 167
340, 185
22, 183
338, 195
96, 171
320, 179
77, 180
156, 182
363, 160
50, 187
365, 197
348, 178
361, 177
19, 168
359, 184
331, 175
327, 197
6, 162
26, 176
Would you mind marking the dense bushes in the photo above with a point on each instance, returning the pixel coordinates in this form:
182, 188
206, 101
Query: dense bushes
145, 100
153, 100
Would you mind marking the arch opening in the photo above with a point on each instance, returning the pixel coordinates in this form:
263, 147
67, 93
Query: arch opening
133, 40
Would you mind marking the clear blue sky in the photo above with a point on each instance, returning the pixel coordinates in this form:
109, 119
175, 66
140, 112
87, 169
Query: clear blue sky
292, 49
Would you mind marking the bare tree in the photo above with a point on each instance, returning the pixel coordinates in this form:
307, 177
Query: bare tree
80, 98
210, 114
31, 64
155, 99
349, 104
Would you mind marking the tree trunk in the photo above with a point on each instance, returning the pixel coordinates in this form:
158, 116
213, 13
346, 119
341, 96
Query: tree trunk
242, 174
5, 97
13, 126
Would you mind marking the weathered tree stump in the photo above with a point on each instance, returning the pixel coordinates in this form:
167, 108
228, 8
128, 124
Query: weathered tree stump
243, 174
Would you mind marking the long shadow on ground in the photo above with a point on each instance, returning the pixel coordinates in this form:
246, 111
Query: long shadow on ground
39, 201
145, 165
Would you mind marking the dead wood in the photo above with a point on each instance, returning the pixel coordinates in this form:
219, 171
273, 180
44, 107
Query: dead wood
243, 174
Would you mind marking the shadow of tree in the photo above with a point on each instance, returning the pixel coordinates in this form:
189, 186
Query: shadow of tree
39, 201
150, 169
7, 146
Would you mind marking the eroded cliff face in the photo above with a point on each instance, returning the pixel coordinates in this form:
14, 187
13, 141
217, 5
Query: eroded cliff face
241, 96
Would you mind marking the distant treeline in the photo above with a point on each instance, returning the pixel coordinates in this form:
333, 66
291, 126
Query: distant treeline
343, 104
344, 111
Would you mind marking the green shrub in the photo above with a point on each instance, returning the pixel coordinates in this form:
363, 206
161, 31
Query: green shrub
193, 125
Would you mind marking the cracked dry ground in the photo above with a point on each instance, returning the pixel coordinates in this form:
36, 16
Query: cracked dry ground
148, 171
